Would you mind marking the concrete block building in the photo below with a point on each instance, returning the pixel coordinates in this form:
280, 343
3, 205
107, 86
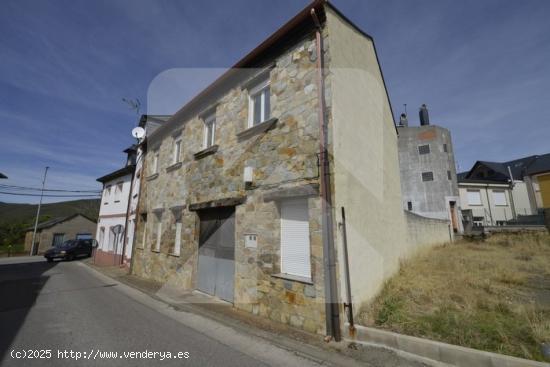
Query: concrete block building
243, 189
428, 174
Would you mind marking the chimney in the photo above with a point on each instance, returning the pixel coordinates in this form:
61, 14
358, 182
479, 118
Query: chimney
423, 114
403, 120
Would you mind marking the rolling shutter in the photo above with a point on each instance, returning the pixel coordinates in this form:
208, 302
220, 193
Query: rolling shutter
295, 250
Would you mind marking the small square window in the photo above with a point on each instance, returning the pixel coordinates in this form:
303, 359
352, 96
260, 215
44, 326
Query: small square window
445, 148
259, 109
209, 130
449, 175
409, 205
424, 149
427, 176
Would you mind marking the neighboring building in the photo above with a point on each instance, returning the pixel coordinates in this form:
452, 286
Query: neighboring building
428, 174
112, 222
56, 231
497, 192
537, 178
242, 190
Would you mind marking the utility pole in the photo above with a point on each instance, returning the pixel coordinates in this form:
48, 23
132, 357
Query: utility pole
38, 211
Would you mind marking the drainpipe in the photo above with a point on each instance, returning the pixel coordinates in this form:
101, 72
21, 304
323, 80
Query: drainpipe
512, 184
331, 303
349, 304
489, 204
141, 178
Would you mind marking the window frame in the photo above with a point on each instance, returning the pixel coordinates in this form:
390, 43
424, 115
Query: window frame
209, 122
426, 173
427, 146
307, 248
259, 89
155, 163
118, 191
468, 191
503, 192
176, 152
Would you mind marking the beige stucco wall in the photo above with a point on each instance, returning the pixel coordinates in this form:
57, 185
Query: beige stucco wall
366, 167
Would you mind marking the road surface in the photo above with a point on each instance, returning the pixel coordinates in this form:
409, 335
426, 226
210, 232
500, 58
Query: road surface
67, 315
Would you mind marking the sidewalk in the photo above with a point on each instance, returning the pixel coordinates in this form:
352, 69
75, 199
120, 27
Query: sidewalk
310, 346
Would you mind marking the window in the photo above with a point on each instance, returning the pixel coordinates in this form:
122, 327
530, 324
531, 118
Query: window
449, 175
474, 197
427, 176
58, 239
118, 191
409, 205
177, 151
155, 165
144, 235
424, 149
499, 197
295, 251
106, 194
259, 104
178, 227
209, 130
101, 236
445, 148
159, 232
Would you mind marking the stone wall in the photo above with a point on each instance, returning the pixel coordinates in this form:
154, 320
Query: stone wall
285, 156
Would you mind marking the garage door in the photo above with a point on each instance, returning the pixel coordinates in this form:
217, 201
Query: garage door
216, 268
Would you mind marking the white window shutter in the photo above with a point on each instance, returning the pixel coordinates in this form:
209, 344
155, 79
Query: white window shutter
295, 249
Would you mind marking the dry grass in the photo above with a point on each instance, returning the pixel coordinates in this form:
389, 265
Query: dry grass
492, 295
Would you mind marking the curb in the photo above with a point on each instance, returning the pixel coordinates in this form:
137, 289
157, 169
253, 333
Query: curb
436, 351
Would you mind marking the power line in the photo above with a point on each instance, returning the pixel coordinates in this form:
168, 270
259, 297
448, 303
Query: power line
51, 196
25, 188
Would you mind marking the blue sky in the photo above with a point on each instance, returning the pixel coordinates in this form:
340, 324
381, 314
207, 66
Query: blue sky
483, 68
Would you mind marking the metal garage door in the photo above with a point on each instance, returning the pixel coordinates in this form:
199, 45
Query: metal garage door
216, 266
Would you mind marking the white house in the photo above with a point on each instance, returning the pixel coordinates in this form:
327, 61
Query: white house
113, 220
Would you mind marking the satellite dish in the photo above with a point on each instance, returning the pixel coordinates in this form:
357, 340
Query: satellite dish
138, 132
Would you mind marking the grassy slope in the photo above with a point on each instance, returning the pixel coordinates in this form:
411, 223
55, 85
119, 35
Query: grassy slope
493, 295
16, 213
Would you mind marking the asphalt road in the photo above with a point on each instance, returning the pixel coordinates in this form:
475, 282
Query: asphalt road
65, 306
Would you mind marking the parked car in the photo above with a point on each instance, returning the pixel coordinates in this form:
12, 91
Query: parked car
71, 249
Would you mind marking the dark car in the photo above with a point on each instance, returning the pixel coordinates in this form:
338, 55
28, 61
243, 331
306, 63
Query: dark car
70, 250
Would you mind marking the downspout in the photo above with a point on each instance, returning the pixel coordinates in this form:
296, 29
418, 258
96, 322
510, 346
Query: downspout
512, 203
141, 176
489, 204
332, 311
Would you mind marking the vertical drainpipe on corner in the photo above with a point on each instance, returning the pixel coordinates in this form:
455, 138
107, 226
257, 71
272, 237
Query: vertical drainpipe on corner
137, 216
331, 304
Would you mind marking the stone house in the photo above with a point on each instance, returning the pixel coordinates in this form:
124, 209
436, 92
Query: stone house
244, 189
56, 231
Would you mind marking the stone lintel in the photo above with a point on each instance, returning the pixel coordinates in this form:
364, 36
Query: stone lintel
292, 192
152, 177
237, 200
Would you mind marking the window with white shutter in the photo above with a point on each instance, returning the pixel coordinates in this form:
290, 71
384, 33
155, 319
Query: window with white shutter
474, 197
499, 197
295, 250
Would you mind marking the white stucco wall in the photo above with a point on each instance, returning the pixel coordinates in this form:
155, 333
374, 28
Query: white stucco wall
113, 213
491, 212
366, 167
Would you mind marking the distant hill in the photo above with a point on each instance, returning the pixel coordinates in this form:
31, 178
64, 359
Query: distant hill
25, 213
